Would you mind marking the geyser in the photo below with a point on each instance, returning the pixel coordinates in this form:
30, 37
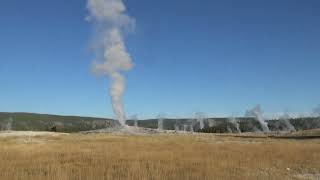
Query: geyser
285, 120
176, 126
112, 58
160, 121
8, 126
134, 118
236, 124
257, 113
200, 116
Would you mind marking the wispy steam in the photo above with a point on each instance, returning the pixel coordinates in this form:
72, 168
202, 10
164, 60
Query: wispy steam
160, 118
285, 118
316, 111
257, 113
9, 124
200, 117
236, 124
134, 118
112, 57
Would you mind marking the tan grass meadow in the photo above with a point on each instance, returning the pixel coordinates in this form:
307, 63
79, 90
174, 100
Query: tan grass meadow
156, 157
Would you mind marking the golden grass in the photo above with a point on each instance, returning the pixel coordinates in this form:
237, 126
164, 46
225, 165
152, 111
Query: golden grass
174, 157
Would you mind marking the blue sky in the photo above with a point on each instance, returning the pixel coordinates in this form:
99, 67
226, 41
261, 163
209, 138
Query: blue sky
219, 57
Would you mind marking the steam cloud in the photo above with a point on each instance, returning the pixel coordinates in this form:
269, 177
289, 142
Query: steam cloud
234, 121
285, 118
161, 117
200, 117
112, 57
257, 113
316, 111
135, 119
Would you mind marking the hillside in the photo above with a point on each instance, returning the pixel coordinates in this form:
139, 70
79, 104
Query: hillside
46, 122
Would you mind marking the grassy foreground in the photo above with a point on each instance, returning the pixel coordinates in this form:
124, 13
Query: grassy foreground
103, 156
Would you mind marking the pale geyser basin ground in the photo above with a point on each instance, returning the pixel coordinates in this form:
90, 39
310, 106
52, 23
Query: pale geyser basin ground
165, 155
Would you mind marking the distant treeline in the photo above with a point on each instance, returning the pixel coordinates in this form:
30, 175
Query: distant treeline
45, 122
225, 125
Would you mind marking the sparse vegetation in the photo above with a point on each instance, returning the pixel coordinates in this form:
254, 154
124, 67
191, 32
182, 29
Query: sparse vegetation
206, 156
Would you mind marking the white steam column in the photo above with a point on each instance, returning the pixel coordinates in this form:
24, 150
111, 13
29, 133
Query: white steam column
160, 121
257, 113
200, 116
134, 118
176, 126
285, 118
111, 56
236, 124
136, 123
9, 124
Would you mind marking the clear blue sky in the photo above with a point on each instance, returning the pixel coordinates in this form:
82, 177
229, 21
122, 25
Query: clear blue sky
219, 57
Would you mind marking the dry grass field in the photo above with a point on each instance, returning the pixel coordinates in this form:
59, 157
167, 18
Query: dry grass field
155, 157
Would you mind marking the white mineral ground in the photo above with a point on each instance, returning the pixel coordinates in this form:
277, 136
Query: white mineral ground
28, 133
136, 130
131, 130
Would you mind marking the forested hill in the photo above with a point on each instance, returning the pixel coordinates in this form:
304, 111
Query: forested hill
46, 122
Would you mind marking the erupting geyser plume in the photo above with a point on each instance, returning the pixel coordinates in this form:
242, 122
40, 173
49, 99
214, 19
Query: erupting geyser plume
111, 57
176, 126
200, 116
134, 118
191, 125
160, 121
236, 124
285, 118
8, 126
257, 113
